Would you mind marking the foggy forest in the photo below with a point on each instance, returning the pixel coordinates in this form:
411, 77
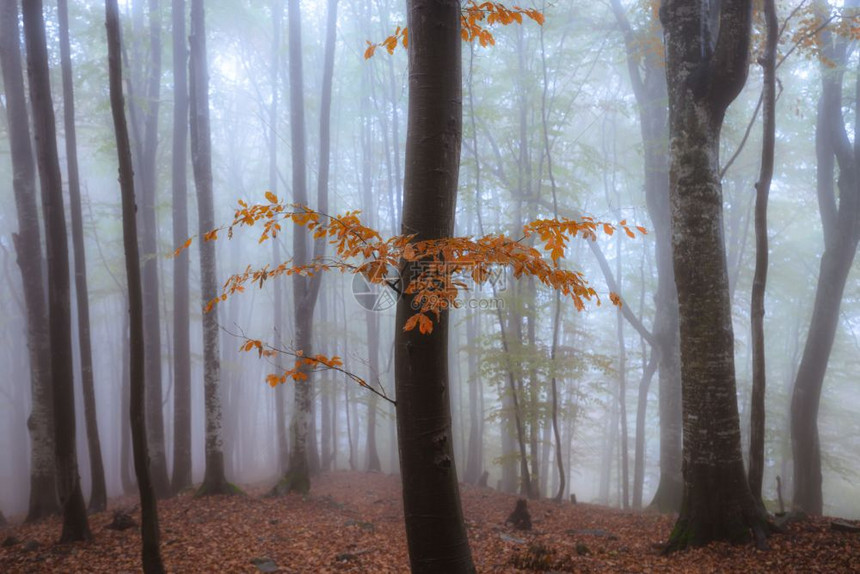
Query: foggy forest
446, 286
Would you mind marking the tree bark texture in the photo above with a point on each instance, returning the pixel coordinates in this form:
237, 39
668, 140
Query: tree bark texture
704, 75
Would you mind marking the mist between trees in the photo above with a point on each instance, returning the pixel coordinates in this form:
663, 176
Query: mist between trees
724, 130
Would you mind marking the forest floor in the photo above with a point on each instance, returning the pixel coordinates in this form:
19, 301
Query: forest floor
353, 522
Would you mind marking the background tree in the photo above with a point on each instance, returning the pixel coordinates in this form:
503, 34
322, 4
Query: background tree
181, 299
75, 526
840, 220
28, 247
214, 480
647, 73
98, 498
757, 409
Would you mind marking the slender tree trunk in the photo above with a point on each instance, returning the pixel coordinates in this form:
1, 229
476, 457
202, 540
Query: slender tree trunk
703, 79
150, 552
98, 498
757, 406
75, 526
126, 448
278, 294
435, 531
181, 297
214, 480
370, 315
305, 290
43, 477
144, 114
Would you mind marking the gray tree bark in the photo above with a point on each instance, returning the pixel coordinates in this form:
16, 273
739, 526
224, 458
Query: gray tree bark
704, 76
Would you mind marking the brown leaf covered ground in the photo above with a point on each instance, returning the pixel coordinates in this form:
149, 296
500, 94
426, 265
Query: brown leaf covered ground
352, 522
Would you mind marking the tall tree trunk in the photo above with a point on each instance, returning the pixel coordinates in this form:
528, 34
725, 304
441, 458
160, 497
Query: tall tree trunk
149, 192
757, 406
841, 225
75, 526
181, 298
143, 111
435, 531
370, 315
305, 290
214, 480
43, 477
278, 294
297, 478
703, 79
150, 552
98, 498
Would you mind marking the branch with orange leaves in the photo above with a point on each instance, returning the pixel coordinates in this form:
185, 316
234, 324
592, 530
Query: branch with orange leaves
303, 364
473, 25
438, 267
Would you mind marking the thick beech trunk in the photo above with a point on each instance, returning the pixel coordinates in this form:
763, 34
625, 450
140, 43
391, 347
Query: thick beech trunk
181, 298
150, 553
214, 480
703, 79
98, 498
43, 478
75, 526
435, 531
